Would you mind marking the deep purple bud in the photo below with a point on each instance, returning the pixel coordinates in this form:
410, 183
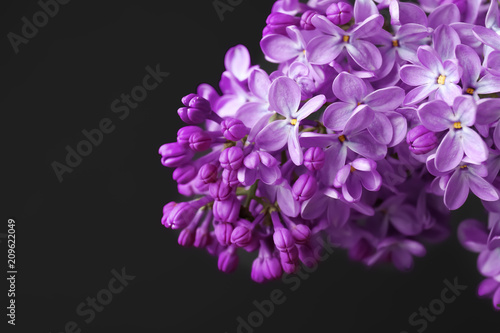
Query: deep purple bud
231, 158
197, 109
257, 273
283, 239
306, 255
228, 210
421, 140
181, 215
361, 250
223, 233
289, 256
184, 174
301, 233
228, 260
241, 236
314, 158
174, 155
208, 173
277, 22
233, 129
201, 237
305, 20
289, 268
184, 133
339, 13
200, 141
272, 268
305, 187
220, 190
186, 237
230, 177
166, 212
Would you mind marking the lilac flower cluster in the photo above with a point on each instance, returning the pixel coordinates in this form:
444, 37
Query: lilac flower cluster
379, 119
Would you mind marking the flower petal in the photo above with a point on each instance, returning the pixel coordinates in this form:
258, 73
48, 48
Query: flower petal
449, 153
482, 189
386, 99
472, 235
279, 48
435, 116
323, 49
274, 136
284, 96
474, 146
349, 88
457, 190
365, 54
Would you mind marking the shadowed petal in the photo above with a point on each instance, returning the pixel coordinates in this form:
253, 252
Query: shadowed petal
487, 36
337, 114
474, 146
419, 93
472, 235
482, 189
381, 128
457, 190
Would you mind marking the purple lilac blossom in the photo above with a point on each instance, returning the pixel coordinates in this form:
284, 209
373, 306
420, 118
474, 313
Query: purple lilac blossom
381, 118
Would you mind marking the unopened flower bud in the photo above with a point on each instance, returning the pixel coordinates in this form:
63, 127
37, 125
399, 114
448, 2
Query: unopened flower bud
174, 155
228, 260
272, 268
257, 273
223, 233
208, 173
220, 190
283, 239
166, 212
339, 13
241, 236
201, 237
421, 140
197, 109
227, 210
200, 141
186, 237
301, 233
233, 129
305, 20
181, 215
314, 158
184, 133
230, 177
184, 174
277, 22
231, 158
305, 187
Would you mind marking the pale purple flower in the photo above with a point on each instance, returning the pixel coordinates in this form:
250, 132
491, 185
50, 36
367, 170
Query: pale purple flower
356, 175
284, 98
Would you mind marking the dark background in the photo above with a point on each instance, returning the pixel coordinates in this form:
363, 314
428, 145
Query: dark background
106, 214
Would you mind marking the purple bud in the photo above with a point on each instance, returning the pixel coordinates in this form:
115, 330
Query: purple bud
233, 129
197, 109
361, 250
220, 190
186, 237
231, 158
228, 260
228, 210
200, 141
241, 236
314, 158
257, 273
184, 174
304, 188
289, 256
201, 237
272, 268
277, 23
166, 212
230, 177
181, 215
421, 140
339, 13
184, 133
305, 20
223, 233
283, 239
289, 268
174, 155
213, 245
208, 173
301, 233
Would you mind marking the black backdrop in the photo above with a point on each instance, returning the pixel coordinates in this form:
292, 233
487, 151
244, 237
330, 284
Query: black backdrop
105, 214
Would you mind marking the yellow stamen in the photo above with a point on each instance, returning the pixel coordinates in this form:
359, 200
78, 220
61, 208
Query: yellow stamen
304, 51
342, 138
463, 166
441, 79
457, 125
352, 169
345, 38
470, 91
293, 121
395, 43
